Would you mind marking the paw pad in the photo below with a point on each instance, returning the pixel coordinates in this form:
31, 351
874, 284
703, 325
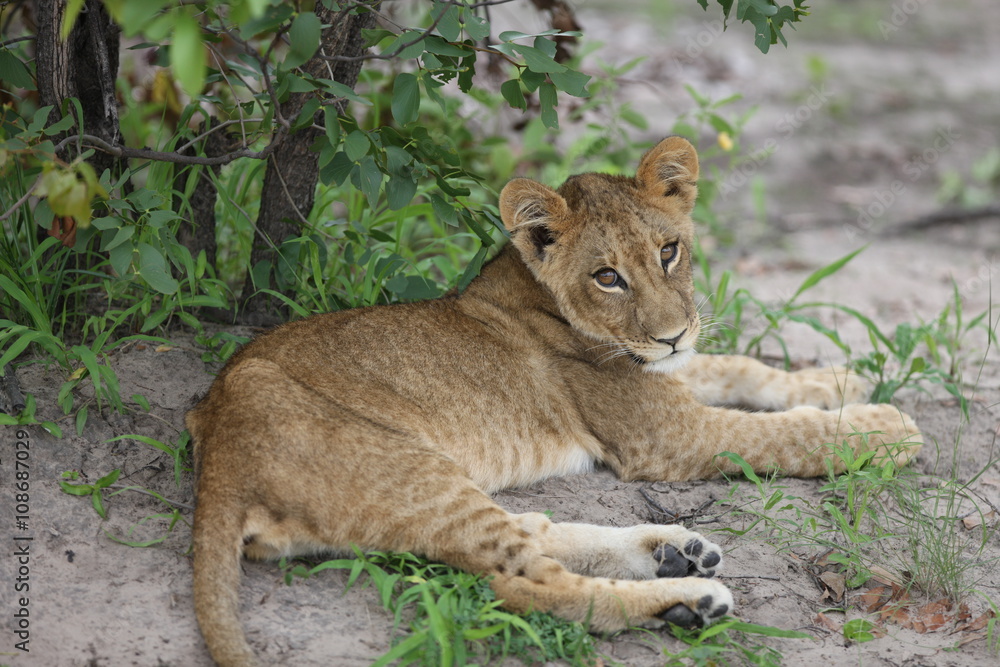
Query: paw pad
711, 560
699, 610
671, 562
697, 558
681, 616
693, 547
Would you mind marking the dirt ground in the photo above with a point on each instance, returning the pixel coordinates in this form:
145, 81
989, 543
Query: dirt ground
855, 156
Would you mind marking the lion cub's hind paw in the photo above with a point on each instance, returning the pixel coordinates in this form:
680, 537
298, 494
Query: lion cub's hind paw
708, 608
698, 558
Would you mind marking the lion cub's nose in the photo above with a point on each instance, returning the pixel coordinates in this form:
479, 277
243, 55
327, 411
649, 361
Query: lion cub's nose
672, 342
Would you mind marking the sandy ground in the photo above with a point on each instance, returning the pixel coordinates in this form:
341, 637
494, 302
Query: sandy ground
886, 102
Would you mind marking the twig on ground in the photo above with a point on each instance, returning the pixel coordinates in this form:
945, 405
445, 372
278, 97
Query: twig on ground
675, 517
945, 217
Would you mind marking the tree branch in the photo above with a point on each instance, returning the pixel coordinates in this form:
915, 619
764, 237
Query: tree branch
15, 40
162, 156
20, 202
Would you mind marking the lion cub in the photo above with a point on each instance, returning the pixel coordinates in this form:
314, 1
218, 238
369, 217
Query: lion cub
388, 427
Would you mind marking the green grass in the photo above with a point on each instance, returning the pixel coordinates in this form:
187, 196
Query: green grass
452, 617
730, 642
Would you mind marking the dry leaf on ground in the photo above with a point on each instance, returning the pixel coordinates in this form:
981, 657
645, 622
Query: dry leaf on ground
976, 624
825, 621
977, 519
876, 598
835, 584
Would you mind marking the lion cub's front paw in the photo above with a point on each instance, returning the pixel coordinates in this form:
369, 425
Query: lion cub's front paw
697, 558
704, 603
892, 434
826, 388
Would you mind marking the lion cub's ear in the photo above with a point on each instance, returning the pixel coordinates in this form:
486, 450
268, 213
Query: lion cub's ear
534, 216
670, 169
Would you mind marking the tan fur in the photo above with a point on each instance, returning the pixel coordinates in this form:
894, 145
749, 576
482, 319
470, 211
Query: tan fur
387, 427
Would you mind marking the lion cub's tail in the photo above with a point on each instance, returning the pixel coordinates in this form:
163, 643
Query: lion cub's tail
218, 537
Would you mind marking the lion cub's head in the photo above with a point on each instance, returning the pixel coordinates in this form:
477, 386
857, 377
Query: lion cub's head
616, 252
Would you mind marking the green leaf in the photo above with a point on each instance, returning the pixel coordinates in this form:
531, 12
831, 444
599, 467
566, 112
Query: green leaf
141, 401
371, 180
399, 191
356, 145
405, 98
511, 35
19, 346
571, 82
331, 121
466, 73
396, 158
268, 21
303, 36
765, 7
97, 502
187, 54
14, 72
411, 51
443, 211
472, 270
81, 420
747, 469
511, 91
448, 24
375, 35
476, 27
307, 115
108, 479
435, 44
767, 630
338, 89
52, 428
859, 630
633, 118
90, 362
153, 269
112, 241
337, 170
547, 99
412, 287
545, 45
822, 273
121, 258
532, 80
537, 60
73, 8
76, 489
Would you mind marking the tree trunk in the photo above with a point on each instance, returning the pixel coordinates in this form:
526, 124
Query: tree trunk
85, 66
292, 169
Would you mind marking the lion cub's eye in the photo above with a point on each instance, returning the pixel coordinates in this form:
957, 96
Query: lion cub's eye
609, 278
667, 254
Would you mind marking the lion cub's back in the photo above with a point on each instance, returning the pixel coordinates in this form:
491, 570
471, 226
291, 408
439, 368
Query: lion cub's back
495, 403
